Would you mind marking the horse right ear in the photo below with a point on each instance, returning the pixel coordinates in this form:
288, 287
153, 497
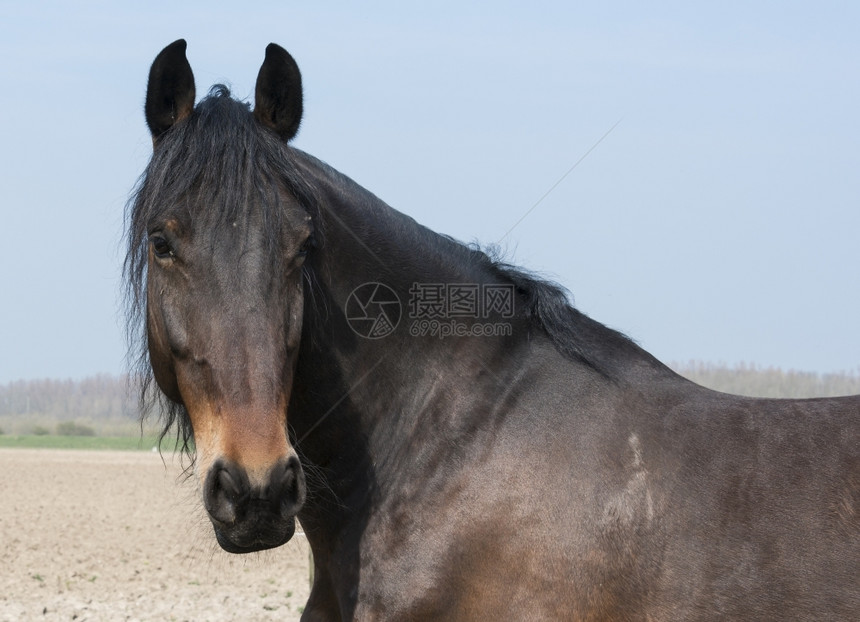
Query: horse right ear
170, 90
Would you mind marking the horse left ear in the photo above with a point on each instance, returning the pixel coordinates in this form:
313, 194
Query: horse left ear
278, 98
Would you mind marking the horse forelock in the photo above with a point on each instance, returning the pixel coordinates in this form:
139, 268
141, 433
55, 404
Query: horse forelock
205, 171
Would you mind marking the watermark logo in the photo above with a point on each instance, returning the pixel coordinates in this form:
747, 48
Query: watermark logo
441, 310
373, 310
444, 301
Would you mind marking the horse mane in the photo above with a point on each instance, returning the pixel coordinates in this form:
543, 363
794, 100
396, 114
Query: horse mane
548, 307
223, 157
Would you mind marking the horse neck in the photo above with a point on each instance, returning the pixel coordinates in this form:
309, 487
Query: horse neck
366, 241
353, 395
363, 410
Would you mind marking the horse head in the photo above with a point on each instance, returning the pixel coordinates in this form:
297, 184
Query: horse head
221, 241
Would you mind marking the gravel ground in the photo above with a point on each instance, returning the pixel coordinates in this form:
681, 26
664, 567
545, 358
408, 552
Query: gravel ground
102, 535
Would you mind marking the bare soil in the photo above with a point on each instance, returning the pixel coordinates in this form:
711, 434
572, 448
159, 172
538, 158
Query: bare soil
103, 535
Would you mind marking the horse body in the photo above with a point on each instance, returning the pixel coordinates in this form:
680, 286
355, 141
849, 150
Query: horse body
556, 471
504, 477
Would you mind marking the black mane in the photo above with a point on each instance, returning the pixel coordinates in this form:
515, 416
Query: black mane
575, 335
544, 303
224, 158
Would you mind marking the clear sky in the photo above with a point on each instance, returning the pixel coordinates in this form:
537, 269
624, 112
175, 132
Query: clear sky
719, 220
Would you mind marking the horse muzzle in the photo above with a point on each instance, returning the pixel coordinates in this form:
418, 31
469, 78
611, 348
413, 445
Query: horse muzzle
253, 513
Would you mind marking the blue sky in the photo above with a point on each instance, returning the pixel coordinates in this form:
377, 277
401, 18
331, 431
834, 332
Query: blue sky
718, 221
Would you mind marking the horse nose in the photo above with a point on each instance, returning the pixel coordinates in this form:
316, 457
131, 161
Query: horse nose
229, 494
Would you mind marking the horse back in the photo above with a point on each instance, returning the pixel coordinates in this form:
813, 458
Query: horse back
702, 504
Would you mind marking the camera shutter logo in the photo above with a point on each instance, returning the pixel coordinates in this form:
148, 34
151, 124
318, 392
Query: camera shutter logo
373, 310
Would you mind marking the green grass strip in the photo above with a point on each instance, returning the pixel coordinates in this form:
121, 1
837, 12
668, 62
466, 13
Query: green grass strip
121, 443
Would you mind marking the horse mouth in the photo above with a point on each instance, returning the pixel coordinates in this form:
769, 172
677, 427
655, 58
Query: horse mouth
240, 540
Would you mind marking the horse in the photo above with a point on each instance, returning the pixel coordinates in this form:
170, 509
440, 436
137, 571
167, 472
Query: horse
456, 439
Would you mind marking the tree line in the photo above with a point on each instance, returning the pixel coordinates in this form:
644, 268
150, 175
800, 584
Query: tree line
97, 397
102, 404
753, 381
108, 404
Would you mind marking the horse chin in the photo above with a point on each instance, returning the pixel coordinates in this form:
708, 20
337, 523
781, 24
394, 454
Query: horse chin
240, 541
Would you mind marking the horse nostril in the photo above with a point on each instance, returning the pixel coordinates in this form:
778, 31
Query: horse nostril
230, 498
223, 494
228, 486
287, 487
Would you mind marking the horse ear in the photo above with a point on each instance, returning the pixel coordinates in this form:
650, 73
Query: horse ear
278, 98
170, 90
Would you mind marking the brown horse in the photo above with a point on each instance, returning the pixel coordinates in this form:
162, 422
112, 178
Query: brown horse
458, 442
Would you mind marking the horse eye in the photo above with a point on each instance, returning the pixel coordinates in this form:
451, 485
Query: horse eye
306, 246
161, 247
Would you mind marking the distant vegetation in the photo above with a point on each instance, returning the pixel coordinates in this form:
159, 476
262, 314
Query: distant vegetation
70, 428
104, 406
97, 406
755, 381
99, 397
